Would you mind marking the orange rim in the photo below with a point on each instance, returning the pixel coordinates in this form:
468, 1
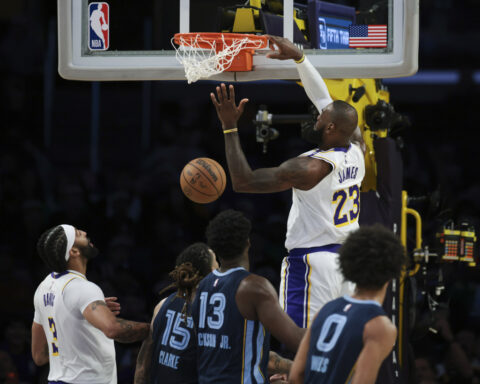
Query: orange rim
205, 39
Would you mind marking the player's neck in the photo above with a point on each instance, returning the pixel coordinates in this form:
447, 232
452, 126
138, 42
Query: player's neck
78, 266
377, 295
235, 263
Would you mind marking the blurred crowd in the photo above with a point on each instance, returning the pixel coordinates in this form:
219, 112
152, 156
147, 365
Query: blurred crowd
134, 212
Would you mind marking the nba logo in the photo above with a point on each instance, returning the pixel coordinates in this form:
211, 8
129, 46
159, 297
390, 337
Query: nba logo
98, 26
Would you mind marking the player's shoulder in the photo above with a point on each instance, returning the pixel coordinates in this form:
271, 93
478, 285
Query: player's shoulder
255, 285
79, 284
380, 328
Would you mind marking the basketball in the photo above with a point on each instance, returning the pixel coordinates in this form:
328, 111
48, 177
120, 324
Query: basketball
203, 180
104, 27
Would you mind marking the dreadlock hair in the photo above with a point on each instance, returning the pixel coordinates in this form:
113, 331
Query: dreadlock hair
192, 265
51, 246
371, 256
227, 234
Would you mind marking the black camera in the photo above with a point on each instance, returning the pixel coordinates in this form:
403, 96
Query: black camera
383, 116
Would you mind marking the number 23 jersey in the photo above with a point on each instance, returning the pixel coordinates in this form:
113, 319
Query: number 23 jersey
328, 212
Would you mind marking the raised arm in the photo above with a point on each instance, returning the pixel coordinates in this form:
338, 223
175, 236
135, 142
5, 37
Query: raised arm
300, 172
121, 330
257, 300
378, 340
312, 81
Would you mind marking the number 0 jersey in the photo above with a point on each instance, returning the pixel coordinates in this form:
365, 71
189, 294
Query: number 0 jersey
79, 352
336, 339
328, 212
174, 358
230, 348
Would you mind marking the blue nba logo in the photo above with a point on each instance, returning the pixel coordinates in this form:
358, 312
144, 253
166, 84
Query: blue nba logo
98, 30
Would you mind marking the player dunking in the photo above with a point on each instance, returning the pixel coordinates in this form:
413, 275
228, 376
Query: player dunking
351, 336
235, 311
73, 327
325, 184
169, 356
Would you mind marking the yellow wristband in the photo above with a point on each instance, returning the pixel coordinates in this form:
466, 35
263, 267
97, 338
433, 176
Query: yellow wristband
300, 60
230, 130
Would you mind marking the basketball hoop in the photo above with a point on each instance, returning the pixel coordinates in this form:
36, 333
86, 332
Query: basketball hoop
205, 54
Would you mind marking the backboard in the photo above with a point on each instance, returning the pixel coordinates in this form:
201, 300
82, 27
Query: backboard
125, 40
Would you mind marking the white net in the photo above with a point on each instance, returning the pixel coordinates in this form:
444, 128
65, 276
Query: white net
201, 63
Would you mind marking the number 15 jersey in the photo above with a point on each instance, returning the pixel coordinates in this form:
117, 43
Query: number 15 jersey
230, 348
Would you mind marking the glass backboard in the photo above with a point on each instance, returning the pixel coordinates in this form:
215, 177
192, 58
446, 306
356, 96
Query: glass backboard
125, 40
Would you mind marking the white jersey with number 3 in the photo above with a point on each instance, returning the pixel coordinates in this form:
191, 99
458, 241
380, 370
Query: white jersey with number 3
328, 212
79, 352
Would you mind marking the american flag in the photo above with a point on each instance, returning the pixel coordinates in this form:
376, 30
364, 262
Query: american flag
367, 36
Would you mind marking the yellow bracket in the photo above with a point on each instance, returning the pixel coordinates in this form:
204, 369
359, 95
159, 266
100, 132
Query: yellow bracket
418, 244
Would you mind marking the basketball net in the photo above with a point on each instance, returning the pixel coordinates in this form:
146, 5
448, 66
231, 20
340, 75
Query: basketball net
203, 58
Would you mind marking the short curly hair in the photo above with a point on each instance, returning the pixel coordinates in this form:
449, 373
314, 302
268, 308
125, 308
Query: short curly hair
51, 247
228, 234
371, 256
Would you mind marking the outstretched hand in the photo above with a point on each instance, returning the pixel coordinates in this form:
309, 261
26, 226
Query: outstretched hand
286, 49
113, 305
227, 110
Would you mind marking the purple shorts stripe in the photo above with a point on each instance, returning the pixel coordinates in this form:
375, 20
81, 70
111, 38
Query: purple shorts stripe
297, 282
296, 290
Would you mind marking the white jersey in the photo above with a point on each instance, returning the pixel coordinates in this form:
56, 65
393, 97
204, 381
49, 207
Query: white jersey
79, 352
328, 212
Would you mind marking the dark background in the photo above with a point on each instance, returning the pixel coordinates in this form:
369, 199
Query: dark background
130, 203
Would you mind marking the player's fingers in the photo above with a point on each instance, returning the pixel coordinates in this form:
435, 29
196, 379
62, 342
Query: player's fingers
111, 299
232, 93
224, 92
220, 95
214, 100
241, 106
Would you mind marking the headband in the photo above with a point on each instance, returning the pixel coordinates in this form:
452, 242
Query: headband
70, 233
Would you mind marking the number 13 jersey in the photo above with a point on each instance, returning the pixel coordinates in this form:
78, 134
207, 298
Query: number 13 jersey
329, 211
230, 348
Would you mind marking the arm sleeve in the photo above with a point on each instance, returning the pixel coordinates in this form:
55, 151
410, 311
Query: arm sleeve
315, 87
78, 294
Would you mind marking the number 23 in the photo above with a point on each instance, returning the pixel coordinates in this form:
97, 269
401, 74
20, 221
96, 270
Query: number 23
340, 197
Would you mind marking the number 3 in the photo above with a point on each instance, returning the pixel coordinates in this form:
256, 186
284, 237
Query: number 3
51, 324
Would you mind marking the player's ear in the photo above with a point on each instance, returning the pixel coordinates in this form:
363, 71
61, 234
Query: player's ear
330, 128
74, 252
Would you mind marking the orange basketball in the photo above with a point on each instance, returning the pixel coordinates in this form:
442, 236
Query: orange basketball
203, 180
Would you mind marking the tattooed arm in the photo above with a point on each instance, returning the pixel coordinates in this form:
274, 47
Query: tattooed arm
300, 172
40, 353
124, 331
278, 364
